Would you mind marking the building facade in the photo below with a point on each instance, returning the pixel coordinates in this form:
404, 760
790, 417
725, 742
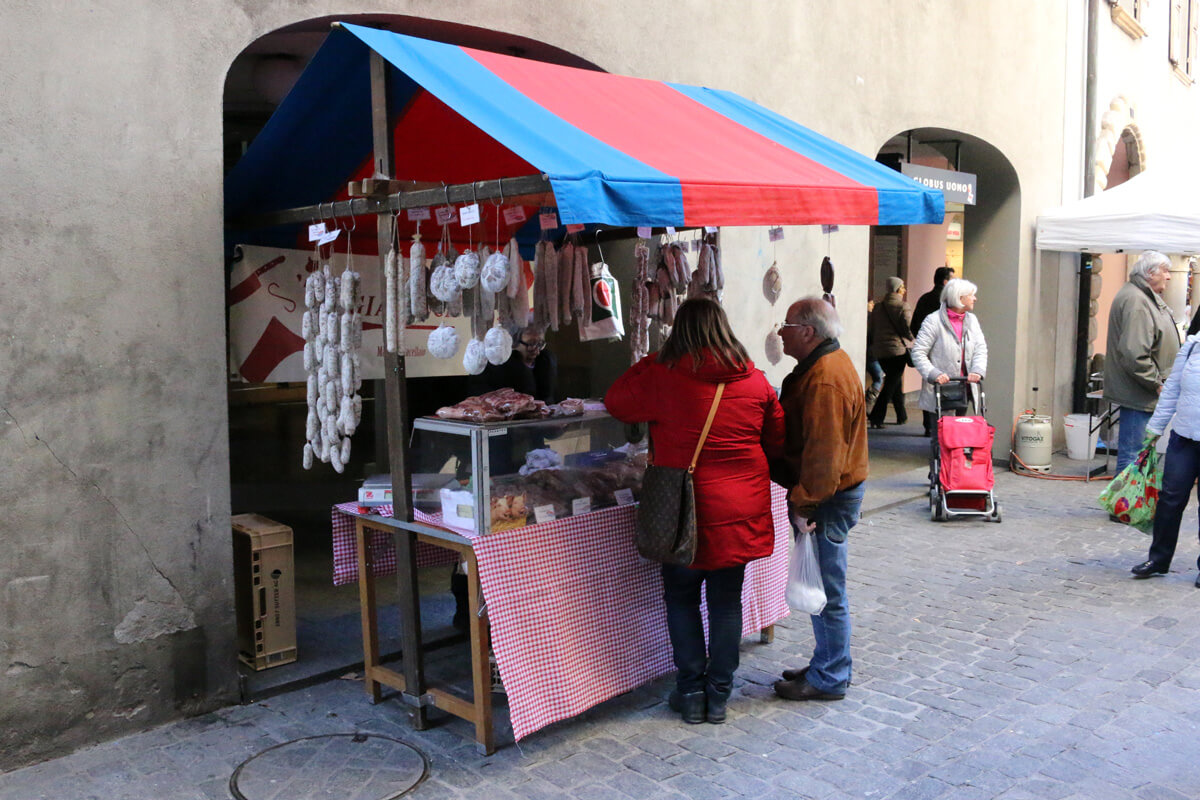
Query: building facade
117, 608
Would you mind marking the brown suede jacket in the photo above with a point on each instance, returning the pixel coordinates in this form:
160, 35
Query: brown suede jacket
825, 449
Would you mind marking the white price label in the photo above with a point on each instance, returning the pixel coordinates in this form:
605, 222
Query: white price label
543, 513
468, 215
710, 229
444, 215
624, 497
670, 231
829, 229
581, 505
548, 220
329, 237
316, 231
418, 214
574, 228
644, 231
514, 215
775, 234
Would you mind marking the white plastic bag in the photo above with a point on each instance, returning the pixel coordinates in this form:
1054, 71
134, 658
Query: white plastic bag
805, 590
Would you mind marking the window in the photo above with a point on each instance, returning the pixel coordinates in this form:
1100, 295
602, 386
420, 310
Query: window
1127, 15
1182, 45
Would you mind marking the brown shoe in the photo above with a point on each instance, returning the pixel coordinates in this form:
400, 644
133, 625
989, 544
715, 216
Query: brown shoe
803, 690
794, 674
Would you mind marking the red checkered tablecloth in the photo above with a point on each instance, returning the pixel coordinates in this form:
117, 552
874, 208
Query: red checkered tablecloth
380, 543
577, 615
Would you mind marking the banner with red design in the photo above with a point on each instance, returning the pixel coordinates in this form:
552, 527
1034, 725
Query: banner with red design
266, 306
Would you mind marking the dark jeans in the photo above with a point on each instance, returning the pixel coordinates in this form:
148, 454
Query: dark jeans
892, 391
681, 590
1179, 473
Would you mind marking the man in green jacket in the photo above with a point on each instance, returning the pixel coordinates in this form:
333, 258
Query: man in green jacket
1141, 347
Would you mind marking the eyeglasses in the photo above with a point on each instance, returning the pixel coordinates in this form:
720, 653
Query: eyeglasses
534, 346
794, 325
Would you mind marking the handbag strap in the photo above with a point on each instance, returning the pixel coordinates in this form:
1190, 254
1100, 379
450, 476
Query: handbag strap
712, 412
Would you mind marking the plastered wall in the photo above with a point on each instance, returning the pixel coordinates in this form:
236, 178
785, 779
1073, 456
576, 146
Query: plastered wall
115, 595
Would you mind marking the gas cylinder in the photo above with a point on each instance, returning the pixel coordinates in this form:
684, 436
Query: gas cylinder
1032, 441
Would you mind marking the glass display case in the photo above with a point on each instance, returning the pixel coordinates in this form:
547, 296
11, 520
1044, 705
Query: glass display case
493, 476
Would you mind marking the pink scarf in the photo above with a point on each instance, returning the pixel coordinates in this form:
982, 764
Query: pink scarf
956, 320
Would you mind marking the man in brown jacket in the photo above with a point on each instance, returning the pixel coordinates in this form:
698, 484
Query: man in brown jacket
825, 465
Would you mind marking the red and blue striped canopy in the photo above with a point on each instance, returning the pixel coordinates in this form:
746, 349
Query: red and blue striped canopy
617, 150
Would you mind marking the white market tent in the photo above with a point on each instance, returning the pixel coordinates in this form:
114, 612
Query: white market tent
1154, 210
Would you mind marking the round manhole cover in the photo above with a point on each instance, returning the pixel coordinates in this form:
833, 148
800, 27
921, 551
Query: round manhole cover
359, 765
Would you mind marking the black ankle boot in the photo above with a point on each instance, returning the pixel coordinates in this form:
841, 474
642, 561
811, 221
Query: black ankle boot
691, 706
716, 706
462, 605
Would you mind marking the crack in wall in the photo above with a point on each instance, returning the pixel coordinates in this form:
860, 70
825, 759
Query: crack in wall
108, 501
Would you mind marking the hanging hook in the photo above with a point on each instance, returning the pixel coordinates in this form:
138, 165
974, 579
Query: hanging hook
598, 247
500, 184
474, 199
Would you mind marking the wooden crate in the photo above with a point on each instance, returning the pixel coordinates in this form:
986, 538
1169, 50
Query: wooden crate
264, 591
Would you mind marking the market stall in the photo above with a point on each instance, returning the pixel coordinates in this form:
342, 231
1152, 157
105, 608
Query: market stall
589, 148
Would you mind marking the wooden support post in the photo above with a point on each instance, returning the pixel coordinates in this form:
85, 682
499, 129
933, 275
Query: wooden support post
397, 415
366, 606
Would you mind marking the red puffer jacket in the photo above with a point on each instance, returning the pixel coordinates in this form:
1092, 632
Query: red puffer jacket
733, 494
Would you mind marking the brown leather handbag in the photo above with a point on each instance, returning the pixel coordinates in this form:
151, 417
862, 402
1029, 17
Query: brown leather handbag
666, 518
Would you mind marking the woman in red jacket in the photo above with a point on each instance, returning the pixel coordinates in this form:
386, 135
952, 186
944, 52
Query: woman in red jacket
673, 391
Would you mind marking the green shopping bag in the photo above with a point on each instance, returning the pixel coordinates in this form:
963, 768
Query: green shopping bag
1132, 496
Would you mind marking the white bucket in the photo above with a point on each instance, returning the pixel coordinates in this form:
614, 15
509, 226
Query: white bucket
1081, 445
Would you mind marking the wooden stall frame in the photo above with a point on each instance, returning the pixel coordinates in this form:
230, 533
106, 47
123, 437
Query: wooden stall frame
478, 710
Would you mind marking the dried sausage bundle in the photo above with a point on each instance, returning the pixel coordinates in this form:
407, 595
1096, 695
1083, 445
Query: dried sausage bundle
333, 333
566, 272
418, 307
639, 314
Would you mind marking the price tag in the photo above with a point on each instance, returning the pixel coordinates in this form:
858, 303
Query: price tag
775, 234
548, 220
829, 229
316, 231
514, 215
643, 231
670, 231
624, 497
574, 228
329, 237
468, 215
581, 505
418, 214
710, 229
543, 513
444, 215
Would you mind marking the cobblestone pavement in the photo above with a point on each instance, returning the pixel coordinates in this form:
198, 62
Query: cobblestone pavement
1009, 661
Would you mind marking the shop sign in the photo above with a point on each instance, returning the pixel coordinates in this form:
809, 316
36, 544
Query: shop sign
956, 187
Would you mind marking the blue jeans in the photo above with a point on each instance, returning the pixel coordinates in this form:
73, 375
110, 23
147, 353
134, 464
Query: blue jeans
875, 373
698, 671
829, 668
1179, 473
1131, 433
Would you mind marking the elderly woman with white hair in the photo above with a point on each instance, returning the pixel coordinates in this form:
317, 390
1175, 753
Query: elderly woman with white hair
950, 344
1141, 347
890, 340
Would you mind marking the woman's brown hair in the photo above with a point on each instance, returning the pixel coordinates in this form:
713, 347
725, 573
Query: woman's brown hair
701, 324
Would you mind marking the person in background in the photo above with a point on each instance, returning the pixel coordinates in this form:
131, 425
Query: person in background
1180, 399
890, 340
874, 371
1141, 345
950, 343
823, 468
673, 391
531, 369
927, 304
